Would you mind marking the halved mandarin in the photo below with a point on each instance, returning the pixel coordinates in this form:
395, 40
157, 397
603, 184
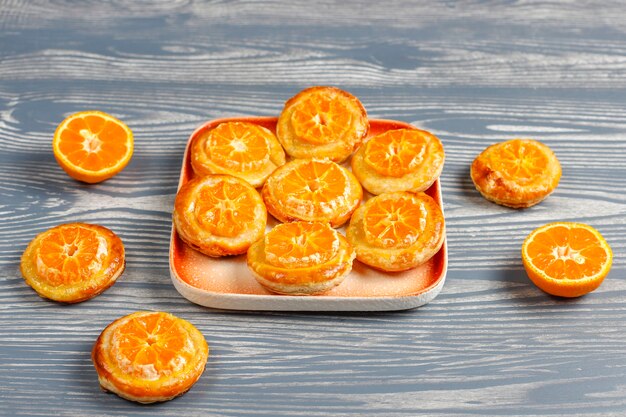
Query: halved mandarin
399, 160
149, 356
397, 231
241, 149
219, 215
566, 259
301, 258
517, 173
322, 122
92, 146
314, 190
73, 262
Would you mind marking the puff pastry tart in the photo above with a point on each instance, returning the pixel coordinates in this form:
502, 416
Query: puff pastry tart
219, 215
241, 149
73, 262
149, 356
397, 231
316, 190
301, 258
399, 160
517, 173
322, 122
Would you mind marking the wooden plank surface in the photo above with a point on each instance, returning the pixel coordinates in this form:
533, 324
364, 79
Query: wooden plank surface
471, 72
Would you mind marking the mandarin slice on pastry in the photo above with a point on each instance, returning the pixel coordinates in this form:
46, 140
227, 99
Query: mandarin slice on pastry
73, 262
219, 215
517, 173
322, 122
397, 231
399, 160
241, 149
301, 258
149, 356
312, 190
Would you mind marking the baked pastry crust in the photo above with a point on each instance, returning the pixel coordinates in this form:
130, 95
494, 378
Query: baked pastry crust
53, 270
242, 149
416, 224
152, 380
219, 215
313, 190
529, 185
291, 274
399, 160
322, 122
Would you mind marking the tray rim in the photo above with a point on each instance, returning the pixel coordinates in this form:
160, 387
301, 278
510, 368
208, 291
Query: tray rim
275, 302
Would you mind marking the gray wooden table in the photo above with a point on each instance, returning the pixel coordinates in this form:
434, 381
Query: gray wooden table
474, 73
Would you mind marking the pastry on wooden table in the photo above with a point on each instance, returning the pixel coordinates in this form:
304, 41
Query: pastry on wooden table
241, 149
397, 231
219, 215
517, 173
399, 160
301, 258
322, 122
73, 262
149, 356
315, 190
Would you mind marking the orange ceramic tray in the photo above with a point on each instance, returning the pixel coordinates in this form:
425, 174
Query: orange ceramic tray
226, 283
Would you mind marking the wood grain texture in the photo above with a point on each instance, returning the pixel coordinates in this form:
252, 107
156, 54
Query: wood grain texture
472, 72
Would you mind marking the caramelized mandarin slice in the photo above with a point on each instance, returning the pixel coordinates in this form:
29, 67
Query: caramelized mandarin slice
300, 245
301, 258
149, 356
322, 122
73, 262
566, 259
397, 231
219, 215
399, 160
518, 173
92, 146
312, 190
241, 149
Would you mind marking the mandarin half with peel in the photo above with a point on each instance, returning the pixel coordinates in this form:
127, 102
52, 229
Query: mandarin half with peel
92, 146
566, 259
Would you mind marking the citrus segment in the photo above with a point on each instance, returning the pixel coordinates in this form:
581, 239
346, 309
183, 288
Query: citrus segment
300, 244
149, 356
566, 259
92, 146
73, 262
